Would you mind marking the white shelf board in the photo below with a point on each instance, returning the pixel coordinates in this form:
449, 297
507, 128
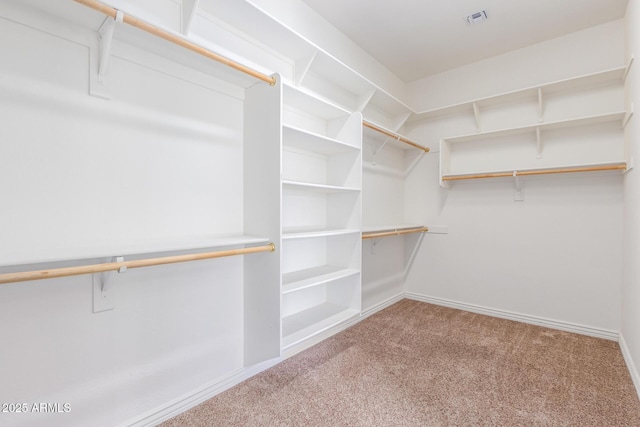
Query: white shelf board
319, 188
328, 76
611, 75
73, 13
581, 121
307, 323
304, 101
309, 141
325, 65
587, 79
128, 248
303, 279
315, 233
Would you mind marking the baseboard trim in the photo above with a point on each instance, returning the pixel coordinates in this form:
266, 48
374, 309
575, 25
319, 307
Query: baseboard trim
381, 305
190, 400
518, 317
631, 366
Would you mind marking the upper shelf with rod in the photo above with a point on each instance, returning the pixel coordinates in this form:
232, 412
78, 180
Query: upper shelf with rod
188, 50
399, 140
388, 231
307, 64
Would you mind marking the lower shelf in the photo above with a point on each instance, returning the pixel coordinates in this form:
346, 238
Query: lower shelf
307, 323
298, 280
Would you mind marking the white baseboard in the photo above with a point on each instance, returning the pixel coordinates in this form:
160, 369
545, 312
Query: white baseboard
518, 317
631, 366
381, 305
190, 400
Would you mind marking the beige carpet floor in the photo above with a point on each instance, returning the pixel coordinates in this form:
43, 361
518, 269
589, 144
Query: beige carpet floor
417, 364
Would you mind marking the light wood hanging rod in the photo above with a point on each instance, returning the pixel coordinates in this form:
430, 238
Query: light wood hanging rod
394, 233
616, 166
176, 39
394, 136
116, 266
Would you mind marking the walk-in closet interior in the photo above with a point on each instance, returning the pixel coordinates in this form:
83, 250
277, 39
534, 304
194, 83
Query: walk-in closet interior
192, 191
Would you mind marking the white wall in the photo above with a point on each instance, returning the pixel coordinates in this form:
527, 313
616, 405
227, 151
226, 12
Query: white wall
556, 256
161, 160
383, 260
583, 52
630, 328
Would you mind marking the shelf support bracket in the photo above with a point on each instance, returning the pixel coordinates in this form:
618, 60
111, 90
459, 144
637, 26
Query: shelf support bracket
105, 36
302, 68
99, 84
540, 106
538, 143
630, 164
364, 100
626, 71
399, 121
627, 116
377, 150
476, 114
189, 8
102, 292
518, 196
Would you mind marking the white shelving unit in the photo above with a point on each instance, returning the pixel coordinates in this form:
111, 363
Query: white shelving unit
321, 210
570, 125
308, 66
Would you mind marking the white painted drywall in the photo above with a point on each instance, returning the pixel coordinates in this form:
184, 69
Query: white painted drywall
162, 159
630, 327
583, 52
557, 254
383, 260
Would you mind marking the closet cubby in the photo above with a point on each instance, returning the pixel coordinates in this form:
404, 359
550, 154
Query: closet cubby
386, 244
320, 283
386, 163
321, 185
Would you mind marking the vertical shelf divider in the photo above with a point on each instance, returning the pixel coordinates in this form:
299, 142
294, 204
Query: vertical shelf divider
262, 205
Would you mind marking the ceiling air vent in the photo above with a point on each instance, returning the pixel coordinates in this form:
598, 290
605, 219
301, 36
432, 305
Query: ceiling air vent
476, 18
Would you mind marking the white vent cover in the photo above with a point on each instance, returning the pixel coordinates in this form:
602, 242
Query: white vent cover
476, 18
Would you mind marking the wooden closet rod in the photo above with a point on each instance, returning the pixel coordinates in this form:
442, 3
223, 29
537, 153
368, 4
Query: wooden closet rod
173, 38
617, 166
394, 233
394, 136
116, 266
